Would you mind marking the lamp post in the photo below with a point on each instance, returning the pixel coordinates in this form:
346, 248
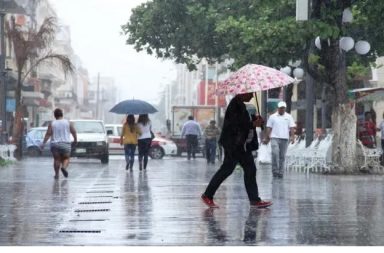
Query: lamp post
294, 70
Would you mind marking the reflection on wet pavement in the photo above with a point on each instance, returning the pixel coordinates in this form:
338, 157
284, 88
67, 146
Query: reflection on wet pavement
107, 205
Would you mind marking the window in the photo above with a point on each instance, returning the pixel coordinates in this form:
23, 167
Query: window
88, 127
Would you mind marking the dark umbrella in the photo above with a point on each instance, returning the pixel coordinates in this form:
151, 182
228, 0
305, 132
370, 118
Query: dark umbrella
133, 106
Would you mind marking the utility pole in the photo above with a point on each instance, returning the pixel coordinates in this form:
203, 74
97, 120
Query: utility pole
303, 13
309, 101
3, 99
206, 84
97, 95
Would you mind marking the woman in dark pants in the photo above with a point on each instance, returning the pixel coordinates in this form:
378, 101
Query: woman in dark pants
144, 140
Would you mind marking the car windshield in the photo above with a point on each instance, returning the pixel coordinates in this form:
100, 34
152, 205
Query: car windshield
88, 127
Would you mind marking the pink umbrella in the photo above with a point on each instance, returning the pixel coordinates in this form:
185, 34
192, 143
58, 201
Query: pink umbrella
252, 78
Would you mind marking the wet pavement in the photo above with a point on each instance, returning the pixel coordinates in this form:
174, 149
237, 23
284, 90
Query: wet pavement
106, 205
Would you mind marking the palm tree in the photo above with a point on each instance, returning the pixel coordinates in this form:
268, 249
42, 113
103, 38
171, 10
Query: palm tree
32, 46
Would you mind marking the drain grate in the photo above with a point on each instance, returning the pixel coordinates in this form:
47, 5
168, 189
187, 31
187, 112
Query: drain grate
95, 202
91, 210
100, 192
80, 231
99, 196
89, 220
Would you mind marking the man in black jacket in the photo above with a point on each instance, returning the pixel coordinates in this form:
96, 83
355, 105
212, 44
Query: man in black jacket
236, 128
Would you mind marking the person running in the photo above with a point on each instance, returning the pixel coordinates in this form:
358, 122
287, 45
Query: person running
128, 138
211, 134
145, 139
280, 129
236, 128
59, 131
191, 131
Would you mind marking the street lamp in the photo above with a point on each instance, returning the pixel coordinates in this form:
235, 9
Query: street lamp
294, 70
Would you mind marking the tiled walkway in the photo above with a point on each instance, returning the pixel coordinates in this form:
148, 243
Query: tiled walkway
106, 205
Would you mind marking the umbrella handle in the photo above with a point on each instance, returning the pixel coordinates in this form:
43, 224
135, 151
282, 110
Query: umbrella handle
258, 109
257, 103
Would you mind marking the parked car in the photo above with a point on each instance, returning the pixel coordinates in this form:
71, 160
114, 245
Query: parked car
159, 146
92, 140
33, 140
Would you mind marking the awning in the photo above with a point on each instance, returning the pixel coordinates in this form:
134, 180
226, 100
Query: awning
27, 94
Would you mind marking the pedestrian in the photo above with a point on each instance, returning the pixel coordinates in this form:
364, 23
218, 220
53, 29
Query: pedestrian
129, 138
280, 129
191, 131
144, 140
59, 130
211, 134
367, 131
381, 129
236, 128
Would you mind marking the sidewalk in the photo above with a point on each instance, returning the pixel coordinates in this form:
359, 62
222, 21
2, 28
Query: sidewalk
105, 205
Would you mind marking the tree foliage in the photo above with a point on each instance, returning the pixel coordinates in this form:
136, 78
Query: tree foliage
252, 31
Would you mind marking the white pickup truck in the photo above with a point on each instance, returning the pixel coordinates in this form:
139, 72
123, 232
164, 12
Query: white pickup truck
92, 141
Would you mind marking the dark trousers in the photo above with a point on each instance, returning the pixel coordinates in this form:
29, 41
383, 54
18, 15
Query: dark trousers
129, 150
210, 148
191, 145
143, 146
230, 160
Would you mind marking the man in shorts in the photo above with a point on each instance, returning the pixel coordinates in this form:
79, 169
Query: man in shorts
59, 131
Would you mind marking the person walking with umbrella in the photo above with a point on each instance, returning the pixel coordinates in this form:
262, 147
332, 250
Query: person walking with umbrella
129, 138
145, 139
236, 128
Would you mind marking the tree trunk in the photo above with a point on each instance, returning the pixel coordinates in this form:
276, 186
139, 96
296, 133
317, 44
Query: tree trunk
288, 97
18, 125
344, 139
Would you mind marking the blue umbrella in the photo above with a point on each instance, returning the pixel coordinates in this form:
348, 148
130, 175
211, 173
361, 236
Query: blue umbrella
133, 106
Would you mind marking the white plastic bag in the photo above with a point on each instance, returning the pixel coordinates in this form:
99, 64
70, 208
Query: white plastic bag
264, 154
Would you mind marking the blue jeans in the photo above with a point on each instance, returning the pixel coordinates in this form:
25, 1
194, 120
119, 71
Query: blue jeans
129, 150
210, 148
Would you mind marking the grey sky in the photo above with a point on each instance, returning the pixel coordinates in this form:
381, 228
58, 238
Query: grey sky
96, 39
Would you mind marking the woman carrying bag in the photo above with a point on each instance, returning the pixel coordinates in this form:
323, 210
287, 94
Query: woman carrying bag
145, 139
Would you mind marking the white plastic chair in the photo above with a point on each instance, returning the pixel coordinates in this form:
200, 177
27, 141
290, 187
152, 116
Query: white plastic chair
369, 158
317, 158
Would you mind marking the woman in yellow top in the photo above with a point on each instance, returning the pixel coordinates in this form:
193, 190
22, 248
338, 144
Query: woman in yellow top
128, 138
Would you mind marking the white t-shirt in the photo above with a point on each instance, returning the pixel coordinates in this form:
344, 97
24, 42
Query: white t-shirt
145, 130
60, 131
382, 129
280, 125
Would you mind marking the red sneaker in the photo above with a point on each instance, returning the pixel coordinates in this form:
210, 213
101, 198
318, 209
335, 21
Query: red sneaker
208, 201
261, 204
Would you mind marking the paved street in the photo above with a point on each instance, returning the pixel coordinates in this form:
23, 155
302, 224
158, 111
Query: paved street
106, 205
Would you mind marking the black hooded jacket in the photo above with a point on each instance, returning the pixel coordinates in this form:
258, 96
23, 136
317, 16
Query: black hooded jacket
235, 127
